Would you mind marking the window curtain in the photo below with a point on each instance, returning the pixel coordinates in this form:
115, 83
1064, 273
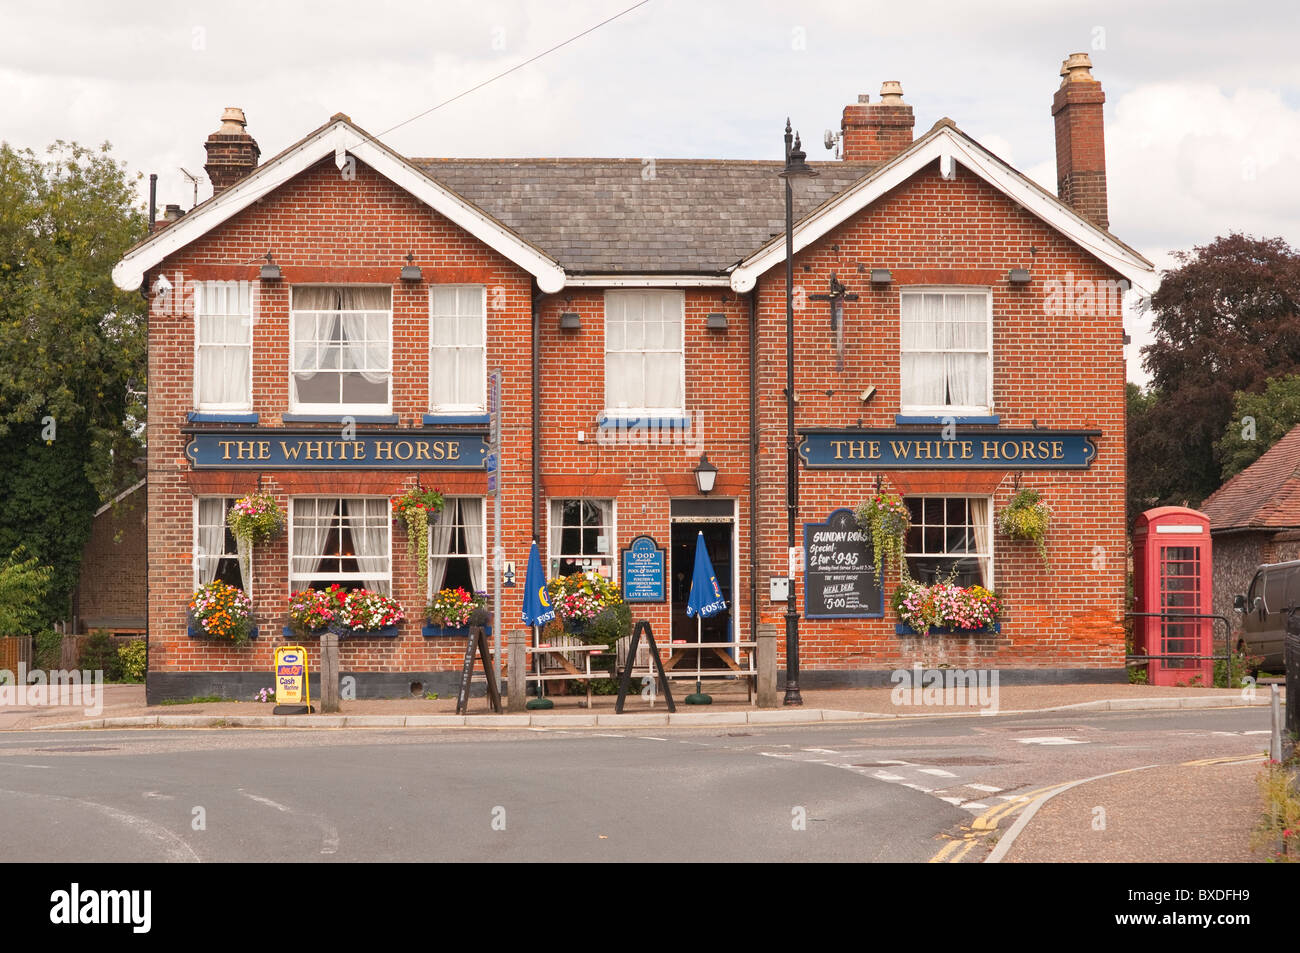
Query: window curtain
924, 370
369, 353
557, 530
979, 517
441, 527
309, 537
966, 328
368, 521
471, 517
212, 542
223, 359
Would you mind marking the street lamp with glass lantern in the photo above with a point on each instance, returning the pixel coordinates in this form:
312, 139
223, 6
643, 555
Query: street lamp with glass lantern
796, 168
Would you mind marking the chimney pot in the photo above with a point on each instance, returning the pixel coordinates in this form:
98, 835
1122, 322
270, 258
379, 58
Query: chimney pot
891, 93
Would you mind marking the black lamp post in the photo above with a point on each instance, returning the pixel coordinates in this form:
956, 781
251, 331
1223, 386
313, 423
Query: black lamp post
795, 167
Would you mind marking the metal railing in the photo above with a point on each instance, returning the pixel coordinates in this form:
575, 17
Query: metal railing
1181, 617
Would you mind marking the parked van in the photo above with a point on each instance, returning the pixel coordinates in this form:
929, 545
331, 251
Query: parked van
1274, 590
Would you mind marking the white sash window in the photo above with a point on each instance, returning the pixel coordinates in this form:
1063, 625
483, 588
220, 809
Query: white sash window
346, 541
950, 538
644, 362
340, 350
457, 352
947, 352
223, 346
457, 546
582, 537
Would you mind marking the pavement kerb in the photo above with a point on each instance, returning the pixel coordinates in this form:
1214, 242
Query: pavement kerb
800, 716
1004, 843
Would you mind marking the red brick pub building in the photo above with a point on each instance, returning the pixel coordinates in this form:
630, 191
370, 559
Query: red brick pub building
971, 343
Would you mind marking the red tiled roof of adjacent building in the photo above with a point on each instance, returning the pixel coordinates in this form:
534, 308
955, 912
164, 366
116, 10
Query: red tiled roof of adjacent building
1265, 495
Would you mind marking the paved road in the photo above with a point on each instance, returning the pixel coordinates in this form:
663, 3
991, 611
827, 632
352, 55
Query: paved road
863, 792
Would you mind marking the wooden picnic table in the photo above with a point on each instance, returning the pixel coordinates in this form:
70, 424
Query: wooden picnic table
566, 670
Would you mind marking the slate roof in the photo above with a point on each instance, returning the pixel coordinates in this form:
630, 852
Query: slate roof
603, 216
1265, 495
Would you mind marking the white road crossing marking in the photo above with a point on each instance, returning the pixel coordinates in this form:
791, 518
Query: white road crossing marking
986, 788
974, 806
937, 772
819, 750
1051, 740
918, 787
886, 776
951, 800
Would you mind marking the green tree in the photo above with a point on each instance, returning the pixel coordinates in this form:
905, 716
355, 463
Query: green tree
1225, 320
1146, 482
24, 583
1258, 421
72, 351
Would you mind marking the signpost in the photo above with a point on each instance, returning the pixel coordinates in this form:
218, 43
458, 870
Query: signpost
292, 693
493, 461
643, 571
840, 578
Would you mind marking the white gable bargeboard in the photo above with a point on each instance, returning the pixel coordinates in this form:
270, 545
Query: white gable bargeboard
339, 139
947, 145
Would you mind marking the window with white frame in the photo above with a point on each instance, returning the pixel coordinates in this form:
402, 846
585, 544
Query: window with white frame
947, 351
644, 362
223, 346
458, 546
216, 551
951, 537
457, 352
582, 537
340, 349
340, 540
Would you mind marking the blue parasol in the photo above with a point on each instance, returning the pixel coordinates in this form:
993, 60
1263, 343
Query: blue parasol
537, 611
705, 600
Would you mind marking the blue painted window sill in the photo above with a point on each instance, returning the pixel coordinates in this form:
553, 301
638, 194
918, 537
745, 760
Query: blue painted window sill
430, 631
461, 419
391, 632
903, 420
614, 421
196, 633
223, 417
901, 629
339, 418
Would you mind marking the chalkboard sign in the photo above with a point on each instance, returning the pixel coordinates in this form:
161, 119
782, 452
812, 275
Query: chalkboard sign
477, 645
643, 571
840, 580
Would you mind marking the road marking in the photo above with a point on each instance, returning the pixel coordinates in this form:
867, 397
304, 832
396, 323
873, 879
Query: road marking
329, 833
951, 800
1263, 732
886, 776
938, 772
819, 750
1051, 740
1231, 759
267, 801
986, 788
918, 787
902, 763
974, 806
175, 846
650, 738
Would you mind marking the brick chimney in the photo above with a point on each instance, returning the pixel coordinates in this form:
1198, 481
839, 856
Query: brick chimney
1080, 140
232, 152
876, 132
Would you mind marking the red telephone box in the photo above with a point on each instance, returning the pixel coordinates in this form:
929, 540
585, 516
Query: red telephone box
1171, 574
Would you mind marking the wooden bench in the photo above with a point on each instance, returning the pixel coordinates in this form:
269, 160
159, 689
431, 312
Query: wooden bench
642, 667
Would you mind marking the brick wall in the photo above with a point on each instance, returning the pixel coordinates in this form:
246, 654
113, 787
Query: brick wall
1064, 370
111, 588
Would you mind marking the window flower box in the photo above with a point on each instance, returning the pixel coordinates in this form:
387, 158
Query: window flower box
388, 632
431, 631
902, 629
194, 632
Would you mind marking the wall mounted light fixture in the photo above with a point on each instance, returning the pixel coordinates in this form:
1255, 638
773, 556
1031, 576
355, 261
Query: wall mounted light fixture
411, 271
270, 271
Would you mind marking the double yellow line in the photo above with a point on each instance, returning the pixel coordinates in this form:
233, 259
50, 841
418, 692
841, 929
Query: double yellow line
956, 849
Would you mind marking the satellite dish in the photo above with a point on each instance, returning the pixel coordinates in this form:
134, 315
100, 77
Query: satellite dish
829, 139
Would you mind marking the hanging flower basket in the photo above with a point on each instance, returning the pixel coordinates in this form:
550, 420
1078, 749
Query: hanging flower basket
1027, 517
414, 508
255, 518
222, 612
885, 519
944, 608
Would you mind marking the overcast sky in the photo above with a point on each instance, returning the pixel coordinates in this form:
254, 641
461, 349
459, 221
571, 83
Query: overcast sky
1202, 111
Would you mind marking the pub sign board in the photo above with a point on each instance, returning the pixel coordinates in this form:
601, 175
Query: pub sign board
643, 571
890, 449
325, 450
840, 578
